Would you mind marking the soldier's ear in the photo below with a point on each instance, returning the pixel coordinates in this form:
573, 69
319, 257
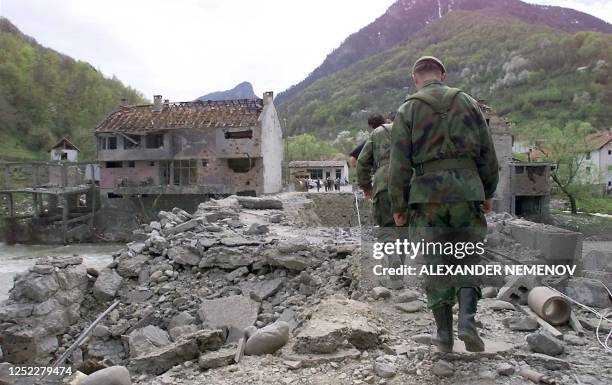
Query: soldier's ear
443, 77
415, 79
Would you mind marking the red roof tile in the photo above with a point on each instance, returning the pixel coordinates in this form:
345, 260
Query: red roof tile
197, 114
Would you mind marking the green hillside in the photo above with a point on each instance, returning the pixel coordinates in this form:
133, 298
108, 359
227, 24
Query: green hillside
528, 73
45, 95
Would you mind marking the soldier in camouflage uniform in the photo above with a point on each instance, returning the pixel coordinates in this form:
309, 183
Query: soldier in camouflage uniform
373, 178
443, 165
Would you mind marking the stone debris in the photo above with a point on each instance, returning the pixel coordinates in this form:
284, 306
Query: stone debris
521, 324
589, 292
353, 321
505, 369
199, 290
544, 342
234, 313
443, 369
107, 284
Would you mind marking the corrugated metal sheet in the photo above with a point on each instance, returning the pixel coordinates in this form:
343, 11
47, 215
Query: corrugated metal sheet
197, 114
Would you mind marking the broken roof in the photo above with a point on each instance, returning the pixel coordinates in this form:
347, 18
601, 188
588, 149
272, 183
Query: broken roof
317, 163
196, 114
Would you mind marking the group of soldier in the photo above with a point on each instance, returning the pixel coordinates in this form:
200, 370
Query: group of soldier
434, 171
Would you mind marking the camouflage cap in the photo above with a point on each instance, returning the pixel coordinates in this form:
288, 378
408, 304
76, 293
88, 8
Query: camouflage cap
431, 59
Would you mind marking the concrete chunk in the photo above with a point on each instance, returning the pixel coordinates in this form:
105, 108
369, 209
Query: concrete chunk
235, 312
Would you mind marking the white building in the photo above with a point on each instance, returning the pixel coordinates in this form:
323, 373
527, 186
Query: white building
320, 169
64, 150
599, 159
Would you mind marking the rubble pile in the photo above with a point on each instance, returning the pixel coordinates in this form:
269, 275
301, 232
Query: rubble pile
237, 293
42, 309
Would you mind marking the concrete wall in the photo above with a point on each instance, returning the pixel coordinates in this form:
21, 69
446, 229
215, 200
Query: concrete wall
271, 149
502, 140
56, 154
141, 173
338, 209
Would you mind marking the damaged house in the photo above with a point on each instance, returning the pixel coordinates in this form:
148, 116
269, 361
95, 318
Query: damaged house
200, 147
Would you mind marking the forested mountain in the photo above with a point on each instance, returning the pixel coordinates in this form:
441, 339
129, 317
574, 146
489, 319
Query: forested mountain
406, 17
243, 90
529, 72
45, 95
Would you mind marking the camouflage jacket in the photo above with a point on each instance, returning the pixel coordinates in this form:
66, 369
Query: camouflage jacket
373, 161
418, 137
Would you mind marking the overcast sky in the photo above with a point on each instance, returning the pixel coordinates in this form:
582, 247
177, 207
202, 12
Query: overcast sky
186, 48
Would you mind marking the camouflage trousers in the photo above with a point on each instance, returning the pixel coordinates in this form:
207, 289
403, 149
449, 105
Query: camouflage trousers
381, 210
455, 223
383, 217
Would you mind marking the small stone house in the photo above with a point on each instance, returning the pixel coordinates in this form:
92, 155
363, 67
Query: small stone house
200, 147
599, 159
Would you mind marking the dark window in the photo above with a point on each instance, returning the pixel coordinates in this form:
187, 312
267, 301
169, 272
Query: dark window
609, 152
114, 164
316, 173
204, 162
588, 155
520, 169
154, 141
247, 134
112, 143
64, 156
185, 172
338, 173
151, 163
588, 169
131, 163
609, 183
131, 141
241, 165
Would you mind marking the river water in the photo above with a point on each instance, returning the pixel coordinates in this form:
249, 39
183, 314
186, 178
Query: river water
17, 258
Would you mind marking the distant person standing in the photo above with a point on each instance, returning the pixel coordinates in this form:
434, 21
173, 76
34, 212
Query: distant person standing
337, 184
318, 183
444, 167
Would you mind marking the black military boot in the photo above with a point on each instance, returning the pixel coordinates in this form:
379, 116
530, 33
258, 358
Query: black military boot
443, 338
466, 327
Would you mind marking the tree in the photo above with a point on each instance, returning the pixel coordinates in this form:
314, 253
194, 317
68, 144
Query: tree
307, 147
566, 148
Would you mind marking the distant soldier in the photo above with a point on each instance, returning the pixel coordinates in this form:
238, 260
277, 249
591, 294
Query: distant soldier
443, 164
373, 170
373, 178
318, 185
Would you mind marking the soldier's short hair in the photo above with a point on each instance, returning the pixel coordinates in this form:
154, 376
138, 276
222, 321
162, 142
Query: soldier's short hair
427, 67
375, 120
391, 116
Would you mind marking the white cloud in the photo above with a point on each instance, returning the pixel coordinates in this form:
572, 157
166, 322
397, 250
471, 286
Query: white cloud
185, 48
598, 8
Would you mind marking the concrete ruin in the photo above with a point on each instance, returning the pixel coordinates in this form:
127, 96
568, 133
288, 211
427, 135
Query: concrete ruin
524, 187
200, 147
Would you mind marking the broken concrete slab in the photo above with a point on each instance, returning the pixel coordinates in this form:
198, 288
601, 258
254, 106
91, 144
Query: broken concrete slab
144, 340
107, 284
130, 266
257, 203
186, 348
547, 361
227, 258
217, 359
288, 261
193, 223
183, 256
260, 290
235, 313
336, 320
